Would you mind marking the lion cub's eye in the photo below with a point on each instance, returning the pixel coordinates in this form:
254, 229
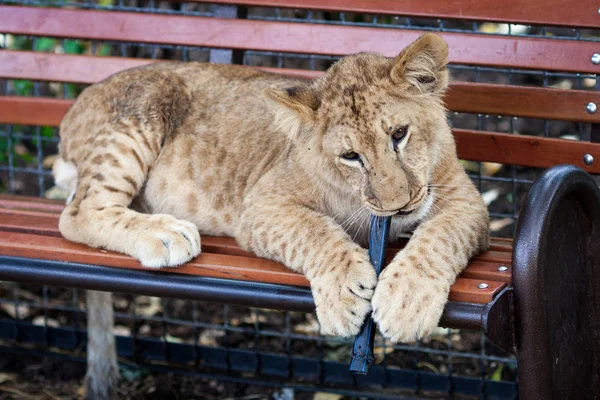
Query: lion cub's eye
399, 133
350, 156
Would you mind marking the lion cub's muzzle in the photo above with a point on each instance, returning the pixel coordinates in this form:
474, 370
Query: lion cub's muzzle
410, 207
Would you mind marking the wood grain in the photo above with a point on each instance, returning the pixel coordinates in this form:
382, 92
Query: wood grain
206, 264
531, 151
46, 223
32, 110
491, 50
520, 101
30, 229
466, 291
583, 13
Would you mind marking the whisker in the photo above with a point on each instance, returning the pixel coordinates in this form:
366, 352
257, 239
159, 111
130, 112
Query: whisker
440, 196
439, 185
364, 217
352, 218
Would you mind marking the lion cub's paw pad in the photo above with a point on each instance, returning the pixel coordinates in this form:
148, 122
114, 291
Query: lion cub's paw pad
167, 242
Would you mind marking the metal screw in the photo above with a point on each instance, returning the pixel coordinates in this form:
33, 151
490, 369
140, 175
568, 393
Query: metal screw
588, 159
503, 268
596, 58
482, 286
591, 107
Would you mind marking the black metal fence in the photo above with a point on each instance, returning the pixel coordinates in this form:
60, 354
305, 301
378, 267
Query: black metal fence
256, 346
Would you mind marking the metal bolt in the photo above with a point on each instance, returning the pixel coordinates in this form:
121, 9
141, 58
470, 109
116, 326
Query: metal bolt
482, 286
591, 107
596, 58
588, 159
502, 268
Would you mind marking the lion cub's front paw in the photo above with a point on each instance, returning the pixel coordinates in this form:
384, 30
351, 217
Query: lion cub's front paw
164, 241
407, 306
343, 293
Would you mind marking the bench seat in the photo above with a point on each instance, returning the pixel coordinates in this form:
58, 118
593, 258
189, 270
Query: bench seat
29, 229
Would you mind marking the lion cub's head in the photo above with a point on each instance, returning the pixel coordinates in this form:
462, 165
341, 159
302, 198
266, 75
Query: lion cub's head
377, 124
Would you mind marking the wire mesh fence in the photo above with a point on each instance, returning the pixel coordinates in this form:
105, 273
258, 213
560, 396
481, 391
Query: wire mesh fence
254, 346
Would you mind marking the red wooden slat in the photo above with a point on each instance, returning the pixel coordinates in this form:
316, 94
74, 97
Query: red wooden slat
529, 102
472, 145
213, 265
31, 203
32, 111
583, 13
488, 271
43, 222
206, 264
34, 216
63, 67
524, 150
502, 51
466, 290
518, 101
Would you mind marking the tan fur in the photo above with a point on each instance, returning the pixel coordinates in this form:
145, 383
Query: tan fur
232, 151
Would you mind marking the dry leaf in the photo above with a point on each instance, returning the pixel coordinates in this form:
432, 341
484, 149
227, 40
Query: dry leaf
22, 310
490, 196
490, 168
309, 327
121, 330
173, 339
589, 82
4, 377
326, 396
498, 224
41, 321
208, 337
144, 329
154, 308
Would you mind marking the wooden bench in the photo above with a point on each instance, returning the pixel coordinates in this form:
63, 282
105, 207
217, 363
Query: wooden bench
538, 297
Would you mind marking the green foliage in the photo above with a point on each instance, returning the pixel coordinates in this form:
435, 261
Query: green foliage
497, 374
4, 148
21, 43
23, 87
104, 50
73, 47
45, 45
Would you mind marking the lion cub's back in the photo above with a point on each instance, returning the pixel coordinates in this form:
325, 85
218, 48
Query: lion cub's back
226, 145
208, 128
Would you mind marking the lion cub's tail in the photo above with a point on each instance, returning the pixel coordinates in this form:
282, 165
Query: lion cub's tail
65, 177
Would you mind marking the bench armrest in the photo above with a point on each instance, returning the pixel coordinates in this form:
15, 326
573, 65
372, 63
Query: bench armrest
556, 279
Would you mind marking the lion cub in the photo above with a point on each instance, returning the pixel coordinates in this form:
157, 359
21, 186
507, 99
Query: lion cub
292, 169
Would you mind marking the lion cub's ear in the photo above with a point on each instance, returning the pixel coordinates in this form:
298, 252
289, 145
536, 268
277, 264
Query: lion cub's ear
295, 107
423, 64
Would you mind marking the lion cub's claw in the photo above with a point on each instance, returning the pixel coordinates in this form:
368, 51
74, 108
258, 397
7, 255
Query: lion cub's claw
167, 242
343, 298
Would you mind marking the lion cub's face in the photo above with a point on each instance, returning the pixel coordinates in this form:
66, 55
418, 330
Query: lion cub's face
379, 123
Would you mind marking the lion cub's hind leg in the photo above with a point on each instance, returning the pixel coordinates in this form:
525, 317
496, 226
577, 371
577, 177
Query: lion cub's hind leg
112, 174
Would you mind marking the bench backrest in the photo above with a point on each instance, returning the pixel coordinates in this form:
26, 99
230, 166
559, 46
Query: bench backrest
518, 89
